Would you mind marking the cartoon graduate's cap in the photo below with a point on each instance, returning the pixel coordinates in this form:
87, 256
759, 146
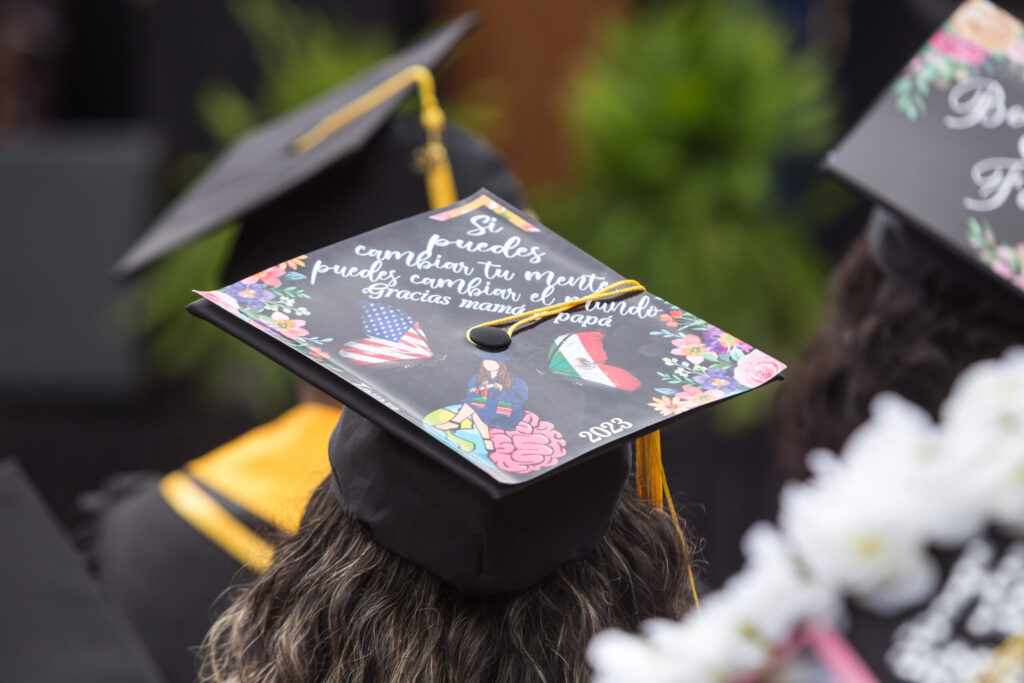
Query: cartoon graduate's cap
941, 149
495, 378
337, 166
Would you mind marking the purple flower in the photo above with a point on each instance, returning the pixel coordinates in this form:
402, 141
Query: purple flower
252, 296
715, 379
721, 342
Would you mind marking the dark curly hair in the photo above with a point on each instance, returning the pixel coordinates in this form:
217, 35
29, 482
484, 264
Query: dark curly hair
885, 334
335, 606
503, 377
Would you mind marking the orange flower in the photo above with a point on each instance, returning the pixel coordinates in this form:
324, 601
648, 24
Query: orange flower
294, 263
667, 405
667, 319
317, 352
986, 25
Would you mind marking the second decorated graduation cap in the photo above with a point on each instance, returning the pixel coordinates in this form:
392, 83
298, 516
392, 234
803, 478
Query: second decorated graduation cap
336, 166
489, 463
943, 149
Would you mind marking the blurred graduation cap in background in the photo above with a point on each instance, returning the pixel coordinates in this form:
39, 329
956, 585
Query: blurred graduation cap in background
488, 459
941, 150
55, 625
341, 164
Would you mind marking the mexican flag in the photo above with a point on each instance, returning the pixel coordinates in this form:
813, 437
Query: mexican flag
581, 355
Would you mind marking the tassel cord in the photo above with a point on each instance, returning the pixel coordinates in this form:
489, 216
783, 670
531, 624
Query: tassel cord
620, 288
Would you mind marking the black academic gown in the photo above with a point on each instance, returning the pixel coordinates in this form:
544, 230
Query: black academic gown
167, 549
55, 623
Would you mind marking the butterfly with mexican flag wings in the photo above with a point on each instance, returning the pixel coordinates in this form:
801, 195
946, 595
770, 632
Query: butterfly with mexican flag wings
581, 355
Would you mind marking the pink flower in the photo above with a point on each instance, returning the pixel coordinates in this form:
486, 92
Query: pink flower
690, 346
293, 329
756, 368
1016, 52
1002, 268
271, 277
693, 397
957, 48
1006, 261
223, 300
1004, 252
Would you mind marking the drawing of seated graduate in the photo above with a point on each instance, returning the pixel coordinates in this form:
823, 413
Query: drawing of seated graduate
492, 423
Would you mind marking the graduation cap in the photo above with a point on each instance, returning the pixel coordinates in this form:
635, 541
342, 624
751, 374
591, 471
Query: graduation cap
55, 624
338, 165
494, 376
943, 149
967, 622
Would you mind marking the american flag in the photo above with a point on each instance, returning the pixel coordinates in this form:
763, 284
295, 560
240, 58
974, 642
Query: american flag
391, 336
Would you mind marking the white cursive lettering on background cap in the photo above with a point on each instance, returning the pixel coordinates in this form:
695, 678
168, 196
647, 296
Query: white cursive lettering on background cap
997, 178
981, 102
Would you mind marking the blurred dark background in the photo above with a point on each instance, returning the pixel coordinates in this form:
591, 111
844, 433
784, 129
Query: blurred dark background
108, 107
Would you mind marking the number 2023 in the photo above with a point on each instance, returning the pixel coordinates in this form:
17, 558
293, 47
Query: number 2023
606, 429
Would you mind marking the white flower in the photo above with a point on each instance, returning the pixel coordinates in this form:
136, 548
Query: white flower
705, 647
901, 449
619, 657
983, 434
779, 594
735, 631
988, 395
861, 527
859, 536
708, 646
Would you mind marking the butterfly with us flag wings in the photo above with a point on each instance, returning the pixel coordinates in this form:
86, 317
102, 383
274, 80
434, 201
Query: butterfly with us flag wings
391, 336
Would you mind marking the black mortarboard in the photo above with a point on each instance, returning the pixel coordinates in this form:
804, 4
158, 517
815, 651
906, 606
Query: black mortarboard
354, 178
481, 465
55, 624
943, 149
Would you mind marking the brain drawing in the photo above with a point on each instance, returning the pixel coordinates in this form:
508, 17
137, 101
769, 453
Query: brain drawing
533, 445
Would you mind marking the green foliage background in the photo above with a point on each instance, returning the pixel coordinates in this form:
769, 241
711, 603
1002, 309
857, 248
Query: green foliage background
681, 119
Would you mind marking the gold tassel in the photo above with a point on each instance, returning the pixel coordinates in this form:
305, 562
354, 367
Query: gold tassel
431, 159
652, 486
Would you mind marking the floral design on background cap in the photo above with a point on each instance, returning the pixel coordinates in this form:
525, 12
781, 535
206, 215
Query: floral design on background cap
1005, 260
986, 25
978, 36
